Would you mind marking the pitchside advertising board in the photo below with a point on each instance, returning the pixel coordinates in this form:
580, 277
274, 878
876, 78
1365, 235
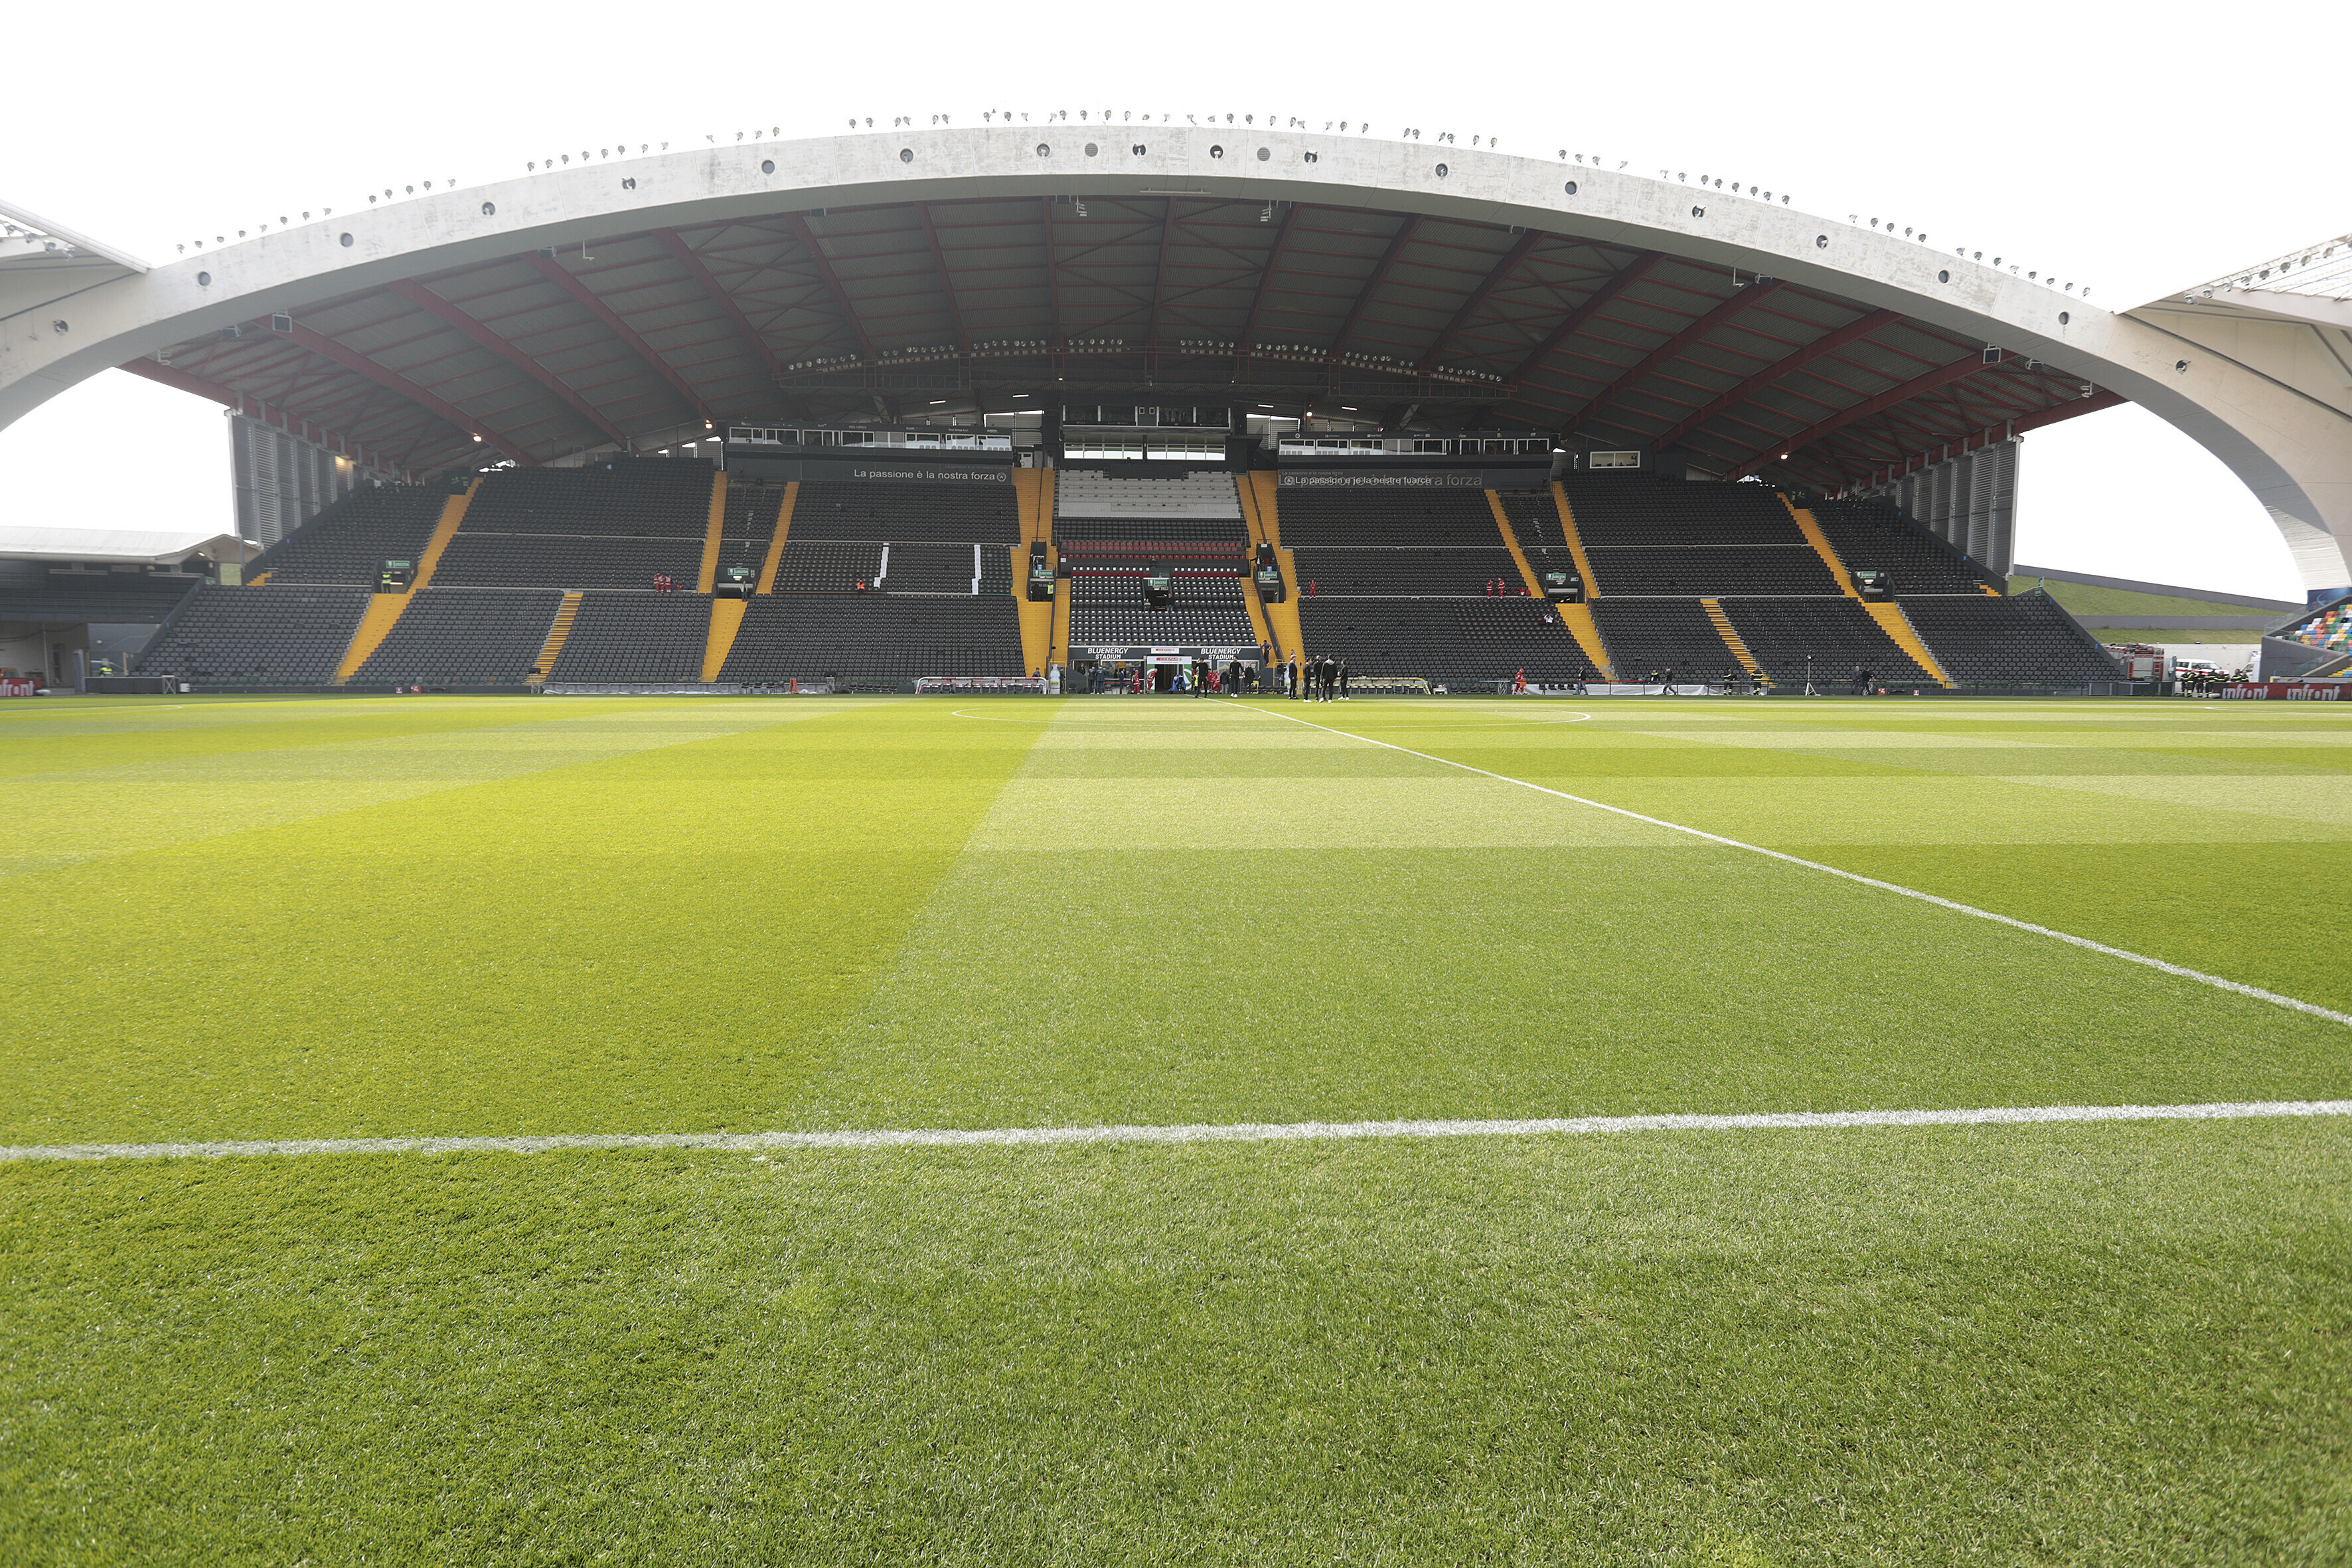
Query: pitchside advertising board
2291, 690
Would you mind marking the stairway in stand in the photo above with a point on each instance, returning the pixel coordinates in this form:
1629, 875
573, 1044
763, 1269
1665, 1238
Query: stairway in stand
1730, 634
556, 636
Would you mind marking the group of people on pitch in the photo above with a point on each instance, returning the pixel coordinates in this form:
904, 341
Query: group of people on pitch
1316, 680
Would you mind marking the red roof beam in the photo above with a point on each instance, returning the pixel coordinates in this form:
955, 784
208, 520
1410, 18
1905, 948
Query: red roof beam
1942, 376
392, 380
556, 273
1396, 242
266, 413
686, 257
947, 279
1495, 277
1982, 436
1672, 349
1593, 304
832, 280
442, 310
1829, 342
1053, 276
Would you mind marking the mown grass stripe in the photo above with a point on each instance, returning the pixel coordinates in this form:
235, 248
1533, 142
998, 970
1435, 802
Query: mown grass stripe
1234, 1133
2217, 982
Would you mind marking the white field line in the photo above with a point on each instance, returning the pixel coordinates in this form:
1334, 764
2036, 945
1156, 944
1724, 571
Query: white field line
2198, 975
1236, 1133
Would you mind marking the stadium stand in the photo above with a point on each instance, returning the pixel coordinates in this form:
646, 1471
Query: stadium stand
2025, 639
828, 565
256, 637
1647, 539
49, 591
1396, 582
922, 568
906, 510
1535, 520
641, 636
463, 637
1311, 517
1872, 535
1180, 509
641, 498
616, 526
1830, 638
1647, 635
1510, 636
1404, 571
481, 560
1106, 610
1466, 644
1111, 526
1095, 493
1708, 570
750, 524
873, 639
350, 541
1632, 511
2328, 627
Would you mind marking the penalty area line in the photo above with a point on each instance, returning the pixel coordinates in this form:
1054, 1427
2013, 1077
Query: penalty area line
1235, 1132
2217, 982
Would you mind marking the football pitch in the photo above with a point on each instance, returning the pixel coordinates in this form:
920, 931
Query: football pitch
484, 1017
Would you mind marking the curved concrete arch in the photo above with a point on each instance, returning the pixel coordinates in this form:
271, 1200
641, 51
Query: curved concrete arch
2283, 426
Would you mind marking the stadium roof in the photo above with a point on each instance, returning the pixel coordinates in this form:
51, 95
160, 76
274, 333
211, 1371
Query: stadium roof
31, 246
151, 547
634, 302
883, 310
2321, 271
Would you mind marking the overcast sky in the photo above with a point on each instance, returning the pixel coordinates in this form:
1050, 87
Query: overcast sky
2114, 144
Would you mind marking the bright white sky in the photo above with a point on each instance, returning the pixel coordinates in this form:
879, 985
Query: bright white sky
2113, 144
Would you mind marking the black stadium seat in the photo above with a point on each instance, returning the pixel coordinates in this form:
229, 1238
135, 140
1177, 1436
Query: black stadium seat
1395, 580
463, 637
641, 636
350, 541
1827, 637
258, 637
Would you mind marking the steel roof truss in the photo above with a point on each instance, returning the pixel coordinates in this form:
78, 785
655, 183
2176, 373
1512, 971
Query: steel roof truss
450, 315
393, 381
1917, 385
832, 280
1827, 344
1403, 237
562, 278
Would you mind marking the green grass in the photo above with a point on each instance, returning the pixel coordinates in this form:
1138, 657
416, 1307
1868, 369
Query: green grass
2110, 1343
2089, 599
2167, 636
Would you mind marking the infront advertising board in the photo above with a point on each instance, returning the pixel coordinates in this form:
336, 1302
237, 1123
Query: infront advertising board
2290, 690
